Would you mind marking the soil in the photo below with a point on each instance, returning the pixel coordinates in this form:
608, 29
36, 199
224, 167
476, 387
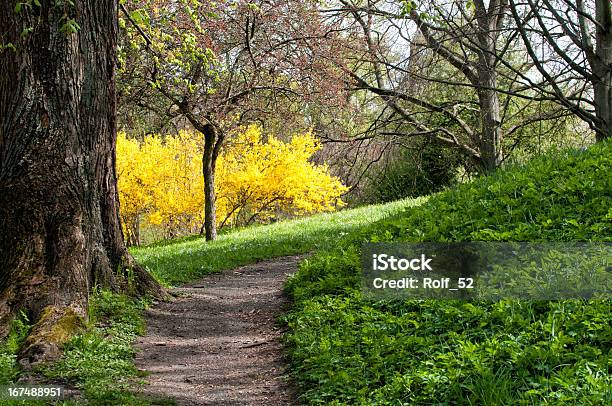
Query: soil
219, 343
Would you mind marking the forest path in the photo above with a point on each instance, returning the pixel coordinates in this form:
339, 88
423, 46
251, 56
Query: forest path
218, 343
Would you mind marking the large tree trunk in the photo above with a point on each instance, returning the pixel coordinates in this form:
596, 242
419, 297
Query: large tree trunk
208, 168
58, 196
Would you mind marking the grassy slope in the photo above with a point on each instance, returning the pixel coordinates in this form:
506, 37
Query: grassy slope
347, 350
192, 258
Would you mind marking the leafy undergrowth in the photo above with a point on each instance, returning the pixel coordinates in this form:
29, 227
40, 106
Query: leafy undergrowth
188, 259
99, 362
9, 369
345, 349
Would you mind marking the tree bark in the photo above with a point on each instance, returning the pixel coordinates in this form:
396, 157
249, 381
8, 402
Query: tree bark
602, 68
490, 145
486, 85
481, 74
208, 168
59, 210
213, 141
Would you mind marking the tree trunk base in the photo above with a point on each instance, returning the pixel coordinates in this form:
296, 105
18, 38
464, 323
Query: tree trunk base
57, 323
140, 283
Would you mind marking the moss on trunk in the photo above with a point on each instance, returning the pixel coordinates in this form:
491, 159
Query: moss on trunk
55, 326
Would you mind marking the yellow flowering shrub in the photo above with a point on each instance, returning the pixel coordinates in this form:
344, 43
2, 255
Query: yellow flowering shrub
160, 181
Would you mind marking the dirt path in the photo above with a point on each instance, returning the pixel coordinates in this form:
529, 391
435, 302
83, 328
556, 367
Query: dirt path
218, 344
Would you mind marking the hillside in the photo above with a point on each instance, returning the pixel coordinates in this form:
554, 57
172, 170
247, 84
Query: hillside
345, 349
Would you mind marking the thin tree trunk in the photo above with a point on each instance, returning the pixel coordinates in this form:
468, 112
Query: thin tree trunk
491, 132
133, 232
602, 69
490, 148
208, 169
59, 210
603, 106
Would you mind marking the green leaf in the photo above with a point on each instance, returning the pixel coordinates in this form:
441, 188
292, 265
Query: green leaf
140, 17
70, 27
26, 32
7, 46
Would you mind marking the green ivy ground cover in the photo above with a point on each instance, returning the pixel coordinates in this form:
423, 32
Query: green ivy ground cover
345, 349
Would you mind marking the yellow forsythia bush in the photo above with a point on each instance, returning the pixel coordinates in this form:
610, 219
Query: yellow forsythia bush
160, 181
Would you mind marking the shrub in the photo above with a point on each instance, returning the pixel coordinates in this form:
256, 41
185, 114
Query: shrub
160, 181
424, 169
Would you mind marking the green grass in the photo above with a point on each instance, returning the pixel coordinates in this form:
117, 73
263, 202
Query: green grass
100, 361
345, 349
9, 369
173, 263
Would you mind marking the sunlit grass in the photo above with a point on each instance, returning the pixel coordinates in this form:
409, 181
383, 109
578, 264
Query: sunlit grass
190, 258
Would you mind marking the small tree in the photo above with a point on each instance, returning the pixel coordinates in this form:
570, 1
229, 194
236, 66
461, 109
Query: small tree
217, 65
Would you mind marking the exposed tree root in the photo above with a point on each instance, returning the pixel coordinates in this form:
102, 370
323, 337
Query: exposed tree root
55, 326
